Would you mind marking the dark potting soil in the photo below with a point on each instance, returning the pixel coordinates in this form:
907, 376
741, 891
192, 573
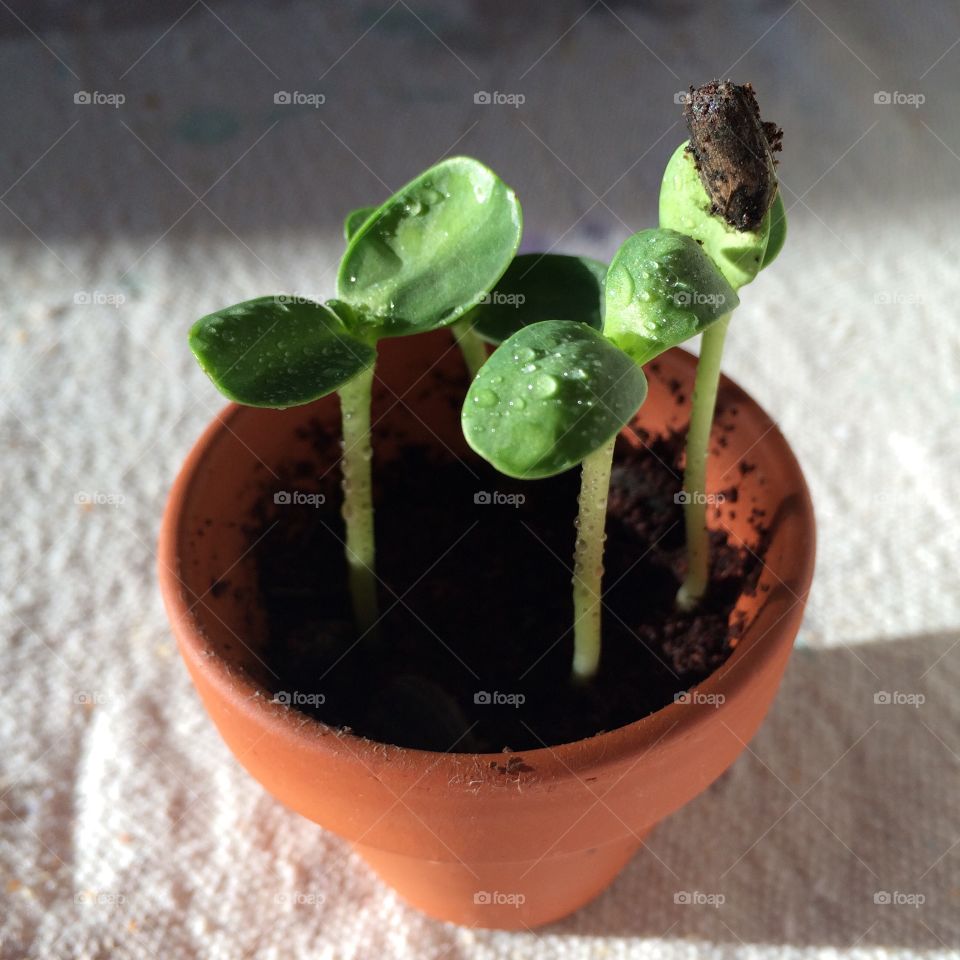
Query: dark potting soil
474, 648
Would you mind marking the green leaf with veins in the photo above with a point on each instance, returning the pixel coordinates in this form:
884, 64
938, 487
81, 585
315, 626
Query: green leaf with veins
278, 351
541, 286
662, 289
430, 252
354, 220
778, 232
548, 396
686, 208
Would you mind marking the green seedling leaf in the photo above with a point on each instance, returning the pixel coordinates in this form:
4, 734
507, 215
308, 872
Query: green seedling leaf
778, 232
541, 286
662, 289
548, 396
278, 351
686, 208
354, 220
432, 250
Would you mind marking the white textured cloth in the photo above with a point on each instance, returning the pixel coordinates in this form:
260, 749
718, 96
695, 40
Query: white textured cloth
126, 828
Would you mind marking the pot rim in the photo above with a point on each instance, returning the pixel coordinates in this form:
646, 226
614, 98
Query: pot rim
657, 730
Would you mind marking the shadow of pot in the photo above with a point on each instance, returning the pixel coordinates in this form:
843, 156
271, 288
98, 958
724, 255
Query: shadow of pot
470, 838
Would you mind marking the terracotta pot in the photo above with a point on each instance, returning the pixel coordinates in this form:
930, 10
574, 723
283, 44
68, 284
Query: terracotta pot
462, 836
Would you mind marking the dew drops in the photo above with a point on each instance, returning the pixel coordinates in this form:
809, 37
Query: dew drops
545, 386
485, 398
524, 354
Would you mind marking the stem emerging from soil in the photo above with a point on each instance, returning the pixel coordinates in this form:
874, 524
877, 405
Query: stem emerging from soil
355, 398
471, 345
695, 472
588, 560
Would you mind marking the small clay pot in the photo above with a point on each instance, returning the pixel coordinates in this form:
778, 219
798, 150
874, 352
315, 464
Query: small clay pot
491, 840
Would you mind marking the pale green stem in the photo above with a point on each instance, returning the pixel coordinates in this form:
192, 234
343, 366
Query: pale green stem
355, 399
695, 472
588, 559
471, 345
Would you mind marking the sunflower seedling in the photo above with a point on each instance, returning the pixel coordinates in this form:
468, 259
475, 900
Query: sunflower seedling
563, 383
719, 187
417, 262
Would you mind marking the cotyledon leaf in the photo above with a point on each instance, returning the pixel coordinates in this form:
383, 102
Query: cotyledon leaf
661, 289
541, 286
354, 220
686, 208
278, 351
548, 396
778, 232
429, 253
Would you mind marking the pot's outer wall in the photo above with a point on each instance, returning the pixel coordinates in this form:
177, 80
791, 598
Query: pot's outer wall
448, 828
